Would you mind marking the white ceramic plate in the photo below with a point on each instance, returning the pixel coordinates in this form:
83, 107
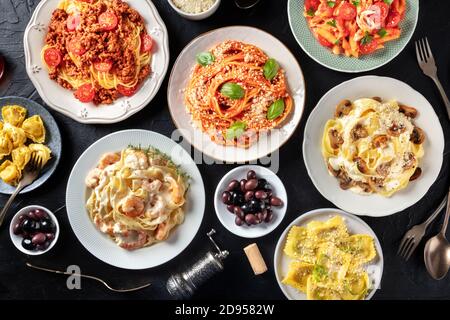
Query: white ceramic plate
62, 100
354, 225
227, 218
100, 245
373, 205
181, 73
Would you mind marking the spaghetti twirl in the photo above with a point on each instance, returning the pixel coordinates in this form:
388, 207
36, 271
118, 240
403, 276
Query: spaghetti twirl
236, 92
98, 48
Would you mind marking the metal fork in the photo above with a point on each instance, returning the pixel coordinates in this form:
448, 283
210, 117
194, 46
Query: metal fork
427, 64
30, 173
414, 235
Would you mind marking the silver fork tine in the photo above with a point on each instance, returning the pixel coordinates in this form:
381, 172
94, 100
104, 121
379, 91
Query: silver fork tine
430, 53
423, 51
411, 250
419, 59
408, 248
402, 244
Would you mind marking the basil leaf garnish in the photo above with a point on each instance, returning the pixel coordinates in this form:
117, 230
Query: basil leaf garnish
232, 90
270, 69
235, 130
205, 58
276, 109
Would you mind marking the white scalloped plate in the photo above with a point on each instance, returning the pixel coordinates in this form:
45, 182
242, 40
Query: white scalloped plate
62, 100
182, 70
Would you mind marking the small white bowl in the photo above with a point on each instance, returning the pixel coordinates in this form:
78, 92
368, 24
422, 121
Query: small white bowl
17, 239
227, 218
196, 16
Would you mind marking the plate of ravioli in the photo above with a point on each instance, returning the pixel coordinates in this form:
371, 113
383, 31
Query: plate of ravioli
328, 254
25, 128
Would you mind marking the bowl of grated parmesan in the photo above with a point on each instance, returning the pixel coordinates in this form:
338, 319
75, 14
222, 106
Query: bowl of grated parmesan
195, 9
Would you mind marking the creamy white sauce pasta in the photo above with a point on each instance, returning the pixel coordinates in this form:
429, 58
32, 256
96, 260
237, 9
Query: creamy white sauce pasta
137, 197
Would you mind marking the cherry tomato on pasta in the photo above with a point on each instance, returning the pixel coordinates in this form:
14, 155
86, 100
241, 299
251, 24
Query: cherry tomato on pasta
384, 9
107, 21
52, 57
127, 92
146, 43
85, 93
73, 21
347, 11
324, 41
103, 66
393, 19
74, 46
368, 47
312, 5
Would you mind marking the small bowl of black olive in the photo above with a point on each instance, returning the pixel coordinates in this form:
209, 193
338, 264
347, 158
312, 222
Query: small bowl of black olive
34, 230
250, 201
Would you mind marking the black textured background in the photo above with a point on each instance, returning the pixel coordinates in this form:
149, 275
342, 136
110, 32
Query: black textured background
400, 280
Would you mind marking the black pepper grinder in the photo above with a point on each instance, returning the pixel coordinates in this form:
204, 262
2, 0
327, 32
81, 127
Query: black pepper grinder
183, 285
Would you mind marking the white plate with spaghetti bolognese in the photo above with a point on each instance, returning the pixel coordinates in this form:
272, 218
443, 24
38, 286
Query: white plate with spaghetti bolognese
236, 93
135, 205
96, 61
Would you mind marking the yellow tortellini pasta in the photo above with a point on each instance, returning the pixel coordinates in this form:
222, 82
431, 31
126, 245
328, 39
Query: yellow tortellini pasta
34, 129
15, 132
6, 144
14, 115
9, 172
17, 135
21, 156
328, 262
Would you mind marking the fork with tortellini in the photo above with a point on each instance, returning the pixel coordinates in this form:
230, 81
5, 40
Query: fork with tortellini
20, 137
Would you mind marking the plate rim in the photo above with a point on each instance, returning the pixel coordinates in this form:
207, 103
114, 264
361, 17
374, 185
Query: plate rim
314, 180
416, 18
171, 76
96, 120
34, 186
282, 239
117, 264
222, 183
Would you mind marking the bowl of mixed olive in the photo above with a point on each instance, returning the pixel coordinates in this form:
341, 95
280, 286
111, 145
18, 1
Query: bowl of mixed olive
34, 230
250, 201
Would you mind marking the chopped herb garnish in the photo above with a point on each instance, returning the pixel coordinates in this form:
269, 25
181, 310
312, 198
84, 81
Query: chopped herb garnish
382, 32
366, 39
319, 272
337, 41
356, 3
331, 4
332, 23
310, 12
388, 1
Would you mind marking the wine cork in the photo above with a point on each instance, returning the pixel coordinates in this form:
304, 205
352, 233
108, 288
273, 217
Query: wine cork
255, 258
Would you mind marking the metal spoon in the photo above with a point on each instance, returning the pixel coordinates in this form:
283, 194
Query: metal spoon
437, 250
246, 4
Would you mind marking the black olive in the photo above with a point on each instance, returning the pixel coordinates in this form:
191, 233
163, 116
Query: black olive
45, 226
28, 244
28, 225
237, 198
245, 208
256, 205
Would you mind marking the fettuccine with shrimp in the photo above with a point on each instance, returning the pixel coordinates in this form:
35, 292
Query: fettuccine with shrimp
137, 196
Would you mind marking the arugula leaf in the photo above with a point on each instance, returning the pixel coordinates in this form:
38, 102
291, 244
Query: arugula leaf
332, 23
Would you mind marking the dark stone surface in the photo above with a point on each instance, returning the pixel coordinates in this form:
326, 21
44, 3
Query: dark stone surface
400, 280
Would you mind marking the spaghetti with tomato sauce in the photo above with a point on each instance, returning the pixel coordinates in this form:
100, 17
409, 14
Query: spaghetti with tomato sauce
236, 92
100, 49
354, 27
